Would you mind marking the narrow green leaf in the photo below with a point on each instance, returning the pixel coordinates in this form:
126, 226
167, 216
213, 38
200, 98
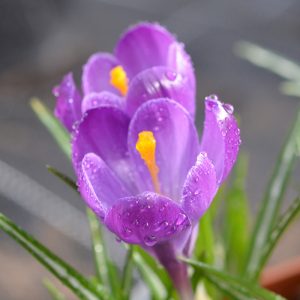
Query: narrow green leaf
64, 272
205, 251
284, 221
290, 88
99, 251
154, 266
267, 59
234, 287
54, 292
70, 182
236, 218
205, 245
157, 289
61, 136
270, 205
127, 274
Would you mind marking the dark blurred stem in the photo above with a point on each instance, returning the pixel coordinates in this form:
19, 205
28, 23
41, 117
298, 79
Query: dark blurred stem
176, 269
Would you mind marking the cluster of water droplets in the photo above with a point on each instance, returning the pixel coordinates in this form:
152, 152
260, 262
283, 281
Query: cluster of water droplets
147, 221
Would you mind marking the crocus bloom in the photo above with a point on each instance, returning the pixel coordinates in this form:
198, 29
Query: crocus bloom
148, 178
148, 62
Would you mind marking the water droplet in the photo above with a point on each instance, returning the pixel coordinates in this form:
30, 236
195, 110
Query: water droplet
171, 75
150, 240
180, 219
127, 231
162, 208
146, 225
229, 108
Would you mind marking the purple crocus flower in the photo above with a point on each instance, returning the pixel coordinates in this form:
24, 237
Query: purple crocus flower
148, 62
149, 179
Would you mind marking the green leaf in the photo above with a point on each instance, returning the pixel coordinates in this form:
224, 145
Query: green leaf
59, 268
290, 88
271, 203
127, 274
234, 287
204, 248
61, 136
157, 268
66, 179
284, 221
269, 60
156, 287
54, 292
236, 219
99, 251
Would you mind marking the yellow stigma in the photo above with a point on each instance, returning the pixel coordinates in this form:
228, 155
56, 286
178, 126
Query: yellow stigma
119, 80
146, 145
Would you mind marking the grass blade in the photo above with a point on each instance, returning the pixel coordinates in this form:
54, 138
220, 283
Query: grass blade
154, 283
98, 249
127, 274
58, 132
54, 292
268, 60
236, 219
64, 272
105, 269
271, 202
284, 221
66, 179
234, 287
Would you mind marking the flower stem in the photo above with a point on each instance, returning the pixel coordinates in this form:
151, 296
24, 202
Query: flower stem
177, 270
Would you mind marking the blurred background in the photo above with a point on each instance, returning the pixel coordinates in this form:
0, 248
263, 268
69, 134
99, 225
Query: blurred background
42, 40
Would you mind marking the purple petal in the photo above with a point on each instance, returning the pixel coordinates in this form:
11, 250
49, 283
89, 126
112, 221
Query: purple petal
96, 74
98, 185
221, 136
176, 144
160, 82
103, 131
199, 188
146, 219
94, 100
146, 45
68, 102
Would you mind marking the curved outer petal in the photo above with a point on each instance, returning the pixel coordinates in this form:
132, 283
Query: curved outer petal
68, 102
94, 100
160, 82
98, 185
221, 136
146, 45
96, 73
103, 131
199, 188
146, 219
176, 144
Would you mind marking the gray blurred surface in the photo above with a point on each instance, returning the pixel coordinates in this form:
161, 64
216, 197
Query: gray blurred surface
41, 40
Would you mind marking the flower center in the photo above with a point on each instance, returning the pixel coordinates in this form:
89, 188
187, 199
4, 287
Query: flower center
119, 80
146, 145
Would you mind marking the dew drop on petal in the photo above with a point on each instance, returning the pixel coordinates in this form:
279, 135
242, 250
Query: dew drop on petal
229, 108
150, 240
171, 75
